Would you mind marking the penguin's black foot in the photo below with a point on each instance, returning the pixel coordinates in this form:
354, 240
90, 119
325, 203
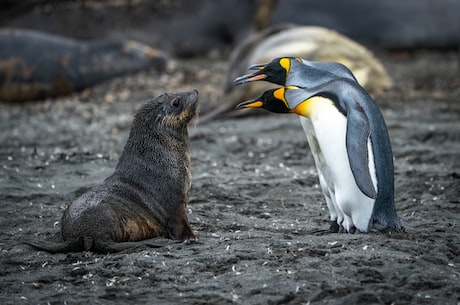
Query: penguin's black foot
334, 228
352, 230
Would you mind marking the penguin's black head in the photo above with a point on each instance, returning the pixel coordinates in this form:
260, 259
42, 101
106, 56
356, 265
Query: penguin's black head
275, 72
174, 110
272, 100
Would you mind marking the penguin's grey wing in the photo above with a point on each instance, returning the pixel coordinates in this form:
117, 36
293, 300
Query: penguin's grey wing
357, 137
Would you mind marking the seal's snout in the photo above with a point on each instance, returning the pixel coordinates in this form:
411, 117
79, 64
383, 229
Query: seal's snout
192, 96
192, 102
186, 96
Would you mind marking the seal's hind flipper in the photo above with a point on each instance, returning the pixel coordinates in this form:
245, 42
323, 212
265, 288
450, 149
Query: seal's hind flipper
113, 247
97, 246
55, 247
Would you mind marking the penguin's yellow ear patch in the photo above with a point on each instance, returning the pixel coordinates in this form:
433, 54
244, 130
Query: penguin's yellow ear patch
279, 95
286, 64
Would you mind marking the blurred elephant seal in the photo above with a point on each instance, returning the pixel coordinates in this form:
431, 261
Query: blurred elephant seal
35, 65
147, 194
308, 42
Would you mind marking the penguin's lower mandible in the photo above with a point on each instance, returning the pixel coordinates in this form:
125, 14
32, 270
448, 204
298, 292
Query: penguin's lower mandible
347, 136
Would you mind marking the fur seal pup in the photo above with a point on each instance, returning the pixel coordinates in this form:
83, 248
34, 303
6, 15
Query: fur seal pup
36, 65
147, 194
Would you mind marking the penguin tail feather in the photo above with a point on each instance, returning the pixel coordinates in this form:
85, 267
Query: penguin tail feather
396, 226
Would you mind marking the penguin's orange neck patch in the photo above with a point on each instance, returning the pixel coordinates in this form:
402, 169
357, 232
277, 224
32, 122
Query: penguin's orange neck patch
303, 108
309, 107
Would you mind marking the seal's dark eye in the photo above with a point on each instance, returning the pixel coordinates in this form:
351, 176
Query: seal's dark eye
176, 102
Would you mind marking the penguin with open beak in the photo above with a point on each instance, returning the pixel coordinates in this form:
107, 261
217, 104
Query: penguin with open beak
294, 71
347, 135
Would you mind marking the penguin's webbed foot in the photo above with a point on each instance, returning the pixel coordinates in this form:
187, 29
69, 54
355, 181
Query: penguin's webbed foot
351, 230
334, 228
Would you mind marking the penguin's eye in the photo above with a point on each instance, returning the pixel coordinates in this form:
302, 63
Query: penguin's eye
176, 102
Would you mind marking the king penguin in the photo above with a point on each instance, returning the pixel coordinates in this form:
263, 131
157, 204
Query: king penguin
295, 71
347, 135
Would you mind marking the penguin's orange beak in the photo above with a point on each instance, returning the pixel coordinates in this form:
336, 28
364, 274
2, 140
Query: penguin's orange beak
252, 77
255, 103
249, 78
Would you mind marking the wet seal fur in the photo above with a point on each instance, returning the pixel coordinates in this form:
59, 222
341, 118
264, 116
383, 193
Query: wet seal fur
147, 194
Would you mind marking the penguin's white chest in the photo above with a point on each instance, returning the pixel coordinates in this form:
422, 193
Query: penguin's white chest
326, 128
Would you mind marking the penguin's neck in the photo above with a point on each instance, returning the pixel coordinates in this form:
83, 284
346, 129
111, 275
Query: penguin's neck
314, 107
